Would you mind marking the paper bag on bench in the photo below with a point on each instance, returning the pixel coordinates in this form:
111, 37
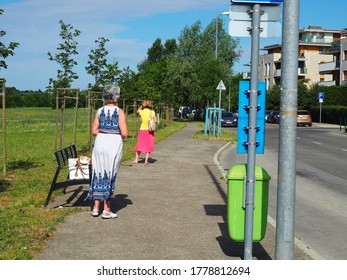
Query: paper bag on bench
79, 168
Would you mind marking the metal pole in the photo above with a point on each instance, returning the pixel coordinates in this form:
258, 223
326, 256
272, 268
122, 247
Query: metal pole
341, 63
56, 119
216, 50
89, 120
62, 128
229, 100
4, 123
219, 113
76, 118
287, 136
320, 112
252, 130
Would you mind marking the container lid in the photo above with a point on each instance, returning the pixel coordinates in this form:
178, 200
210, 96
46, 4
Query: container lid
239, 172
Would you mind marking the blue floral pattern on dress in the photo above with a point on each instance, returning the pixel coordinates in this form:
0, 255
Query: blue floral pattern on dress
109, 123
102, 186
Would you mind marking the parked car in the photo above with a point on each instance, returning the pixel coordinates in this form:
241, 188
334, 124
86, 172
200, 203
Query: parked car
303, 118
267, 113
274, 117
185, 112
228, 119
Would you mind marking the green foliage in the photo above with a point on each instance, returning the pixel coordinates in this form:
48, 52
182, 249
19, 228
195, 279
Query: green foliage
333, 95
97, 63
67, 49
329, 114
150, 82
334, 105
28, 98
127, 82
234, 93
6, 51
104, 73
185, 72
194, 71
273, 98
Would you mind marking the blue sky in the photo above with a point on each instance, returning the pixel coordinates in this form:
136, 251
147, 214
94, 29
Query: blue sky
130, 25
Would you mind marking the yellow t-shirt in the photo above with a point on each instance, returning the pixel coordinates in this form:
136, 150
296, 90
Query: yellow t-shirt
144, 114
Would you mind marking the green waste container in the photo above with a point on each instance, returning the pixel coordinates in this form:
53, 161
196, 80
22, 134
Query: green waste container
236, 202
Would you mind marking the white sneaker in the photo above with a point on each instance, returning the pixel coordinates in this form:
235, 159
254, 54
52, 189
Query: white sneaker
95, 213
108, 215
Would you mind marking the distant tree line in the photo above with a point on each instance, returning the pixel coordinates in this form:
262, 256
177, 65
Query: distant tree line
183, 71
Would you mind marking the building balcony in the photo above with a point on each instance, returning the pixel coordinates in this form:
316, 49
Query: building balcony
327, 83
328, 67
301, 72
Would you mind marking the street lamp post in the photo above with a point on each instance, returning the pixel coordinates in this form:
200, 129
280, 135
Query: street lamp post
216, 49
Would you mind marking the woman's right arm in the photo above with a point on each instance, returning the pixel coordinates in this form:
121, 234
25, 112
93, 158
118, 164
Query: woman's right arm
95, 127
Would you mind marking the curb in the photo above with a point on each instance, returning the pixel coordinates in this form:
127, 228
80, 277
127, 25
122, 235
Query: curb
217, 156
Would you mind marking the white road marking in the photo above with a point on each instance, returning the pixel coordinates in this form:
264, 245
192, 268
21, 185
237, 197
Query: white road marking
317, 143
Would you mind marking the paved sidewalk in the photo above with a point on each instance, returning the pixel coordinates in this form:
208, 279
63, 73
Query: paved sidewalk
173, 209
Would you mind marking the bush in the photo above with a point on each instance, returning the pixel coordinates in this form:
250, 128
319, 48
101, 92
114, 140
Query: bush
330, 114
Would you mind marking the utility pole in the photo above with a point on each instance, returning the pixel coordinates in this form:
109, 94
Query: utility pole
253, 108
243, 13
287, 136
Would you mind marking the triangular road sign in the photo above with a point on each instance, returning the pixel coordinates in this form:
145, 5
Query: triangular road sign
221, 86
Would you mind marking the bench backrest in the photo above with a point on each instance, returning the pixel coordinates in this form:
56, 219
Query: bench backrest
64, 154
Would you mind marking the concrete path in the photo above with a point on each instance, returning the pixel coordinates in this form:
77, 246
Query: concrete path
173, 209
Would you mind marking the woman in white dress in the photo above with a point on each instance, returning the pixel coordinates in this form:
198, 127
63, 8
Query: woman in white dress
110, 128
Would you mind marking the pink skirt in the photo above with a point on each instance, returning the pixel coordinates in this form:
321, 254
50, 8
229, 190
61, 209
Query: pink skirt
145, 142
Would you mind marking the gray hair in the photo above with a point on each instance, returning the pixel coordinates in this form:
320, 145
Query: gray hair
111, 94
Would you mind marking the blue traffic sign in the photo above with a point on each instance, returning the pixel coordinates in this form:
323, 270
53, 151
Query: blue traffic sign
243, 118
259, 1
320, 95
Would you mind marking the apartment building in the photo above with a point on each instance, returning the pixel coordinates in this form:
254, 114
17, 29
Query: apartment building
314, 48
336, 69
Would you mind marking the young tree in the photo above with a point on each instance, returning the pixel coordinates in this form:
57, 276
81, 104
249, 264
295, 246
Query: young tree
111, 74
5, 51
68, 49
97, 63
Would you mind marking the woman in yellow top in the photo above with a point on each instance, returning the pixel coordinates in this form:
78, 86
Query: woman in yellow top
145, 139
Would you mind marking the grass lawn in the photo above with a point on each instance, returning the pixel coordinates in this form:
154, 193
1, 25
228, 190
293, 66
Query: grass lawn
30, 145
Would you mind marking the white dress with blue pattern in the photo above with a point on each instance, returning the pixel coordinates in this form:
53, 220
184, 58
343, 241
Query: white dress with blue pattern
107, 154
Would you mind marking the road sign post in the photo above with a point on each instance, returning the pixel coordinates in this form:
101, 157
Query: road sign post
220, 87
320, 99
250, 22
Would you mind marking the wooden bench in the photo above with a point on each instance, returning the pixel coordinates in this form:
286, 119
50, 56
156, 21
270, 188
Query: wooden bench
62, 156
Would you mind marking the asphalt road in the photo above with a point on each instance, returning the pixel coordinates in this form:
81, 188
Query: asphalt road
321, 186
